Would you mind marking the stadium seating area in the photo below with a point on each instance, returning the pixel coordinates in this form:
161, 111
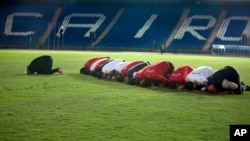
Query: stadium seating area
236, 23
129, 27
196, 28
141, 27
83, 19
21, 24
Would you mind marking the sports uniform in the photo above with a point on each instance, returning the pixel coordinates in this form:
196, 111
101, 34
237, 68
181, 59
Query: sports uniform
114, 74
155, 72
96, 64
86, 68
125, 69
178, 77
197, 79
130, 79
109, 67
118, 68
98, 69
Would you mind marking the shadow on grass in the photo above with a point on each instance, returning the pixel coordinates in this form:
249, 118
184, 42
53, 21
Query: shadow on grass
36, 75
164, 90
79, 76
184, 92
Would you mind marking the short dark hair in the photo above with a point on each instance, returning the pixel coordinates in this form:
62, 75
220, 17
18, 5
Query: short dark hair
132, 81
83, 70
146, 83
172, 85
93, 73
156, 83
119, 78
28, 71
99, 75
189, 86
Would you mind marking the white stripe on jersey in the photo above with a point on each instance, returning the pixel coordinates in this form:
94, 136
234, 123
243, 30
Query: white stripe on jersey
93, 66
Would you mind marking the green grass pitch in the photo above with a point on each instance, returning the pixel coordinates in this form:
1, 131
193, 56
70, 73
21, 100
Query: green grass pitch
79, 107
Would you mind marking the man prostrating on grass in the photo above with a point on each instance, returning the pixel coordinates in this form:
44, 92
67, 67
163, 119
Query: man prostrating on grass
226, 79
42, 65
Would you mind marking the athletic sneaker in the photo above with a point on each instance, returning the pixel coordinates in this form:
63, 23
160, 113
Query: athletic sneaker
60, 70
229, 85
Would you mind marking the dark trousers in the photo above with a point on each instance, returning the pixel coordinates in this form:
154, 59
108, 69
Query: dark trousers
42, 65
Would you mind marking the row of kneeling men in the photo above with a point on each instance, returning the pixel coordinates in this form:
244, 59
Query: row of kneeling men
164, 74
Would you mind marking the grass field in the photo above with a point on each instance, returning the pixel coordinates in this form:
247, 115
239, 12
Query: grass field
79, 107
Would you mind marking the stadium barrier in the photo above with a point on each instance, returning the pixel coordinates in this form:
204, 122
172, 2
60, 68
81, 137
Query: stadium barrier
219, 49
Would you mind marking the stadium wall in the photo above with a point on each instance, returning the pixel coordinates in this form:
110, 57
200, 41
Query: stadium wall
138, 28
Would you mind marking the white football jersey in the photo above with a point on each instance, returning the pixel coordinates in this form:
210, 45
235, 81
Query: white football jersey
107, 68
199, 76
119, 66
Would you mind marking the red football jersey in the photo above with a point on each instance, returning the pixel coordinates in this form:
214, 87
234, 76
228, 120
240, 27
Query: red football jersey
101, 63
91, 61
125, 69
180, 74
155, 72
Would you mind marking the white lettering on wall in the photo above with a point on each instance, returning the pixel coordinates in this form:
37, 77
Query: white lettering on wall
93, 27
146, 26
187, 26
10, 19
193, 30
224, 28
